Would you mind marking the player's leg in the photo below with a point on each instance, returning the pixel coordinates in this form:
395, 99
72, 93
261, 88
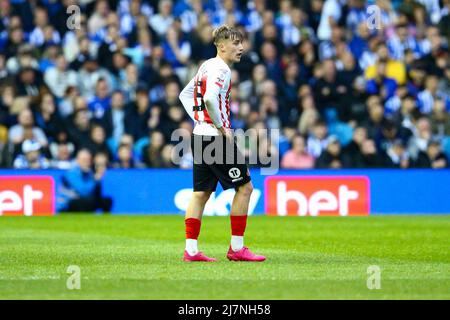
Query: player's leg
238, 217
204, 184
236, 175
193, 219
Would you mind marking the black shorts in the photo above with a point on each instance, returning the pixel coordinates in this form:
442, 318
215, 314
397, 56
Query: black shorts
216, 159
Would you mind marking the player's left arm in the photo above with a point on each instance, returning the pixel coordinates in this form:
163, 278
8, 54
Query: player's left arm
214, 83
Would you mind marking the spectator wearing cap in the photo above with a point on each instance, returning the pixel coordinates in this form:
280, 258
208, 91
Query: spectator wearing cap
297, 157
31, 157
82, 189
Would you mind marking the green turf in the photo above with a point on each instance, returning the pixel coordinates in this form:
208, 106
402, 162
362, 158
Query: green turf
139, 257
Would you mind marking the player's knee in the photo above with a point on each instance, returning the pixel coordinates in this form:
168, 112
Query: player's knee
202, 196
246, 189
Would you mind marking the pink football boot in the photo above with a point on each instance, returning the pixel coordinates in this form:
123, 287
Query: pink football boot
244, 255
198, 257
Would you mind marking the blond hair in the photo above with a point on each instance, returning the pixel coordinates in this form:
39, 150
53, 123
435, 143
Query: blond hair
225, 32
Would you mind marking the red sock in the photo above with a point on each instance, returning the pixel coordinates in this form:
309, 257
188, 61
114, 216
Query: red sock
238, 224
192, 228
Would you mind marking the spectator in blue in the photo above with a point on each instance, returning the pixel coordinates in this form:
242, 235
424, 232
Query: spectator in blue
177, 51
101, 101
82, 186
381, 84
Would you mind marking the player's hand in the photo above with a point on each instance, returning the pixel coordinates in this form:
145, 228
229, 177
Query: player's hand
227, 133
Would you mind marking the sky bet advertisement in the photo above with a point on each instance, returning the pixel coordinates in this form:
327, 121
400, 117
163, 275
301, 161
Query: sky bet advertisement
288, 193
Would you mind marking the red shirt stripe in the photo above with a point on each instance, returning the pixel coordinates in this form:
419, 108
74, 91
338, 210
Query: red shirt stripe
203, 91
195, 98
227, 105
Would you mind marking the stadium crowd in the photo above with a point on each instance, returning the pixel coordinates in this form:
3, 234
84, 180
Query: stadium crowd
348, 87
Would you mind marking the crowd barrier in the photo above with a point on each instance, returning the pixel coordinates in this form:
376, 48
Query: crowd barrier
289, 192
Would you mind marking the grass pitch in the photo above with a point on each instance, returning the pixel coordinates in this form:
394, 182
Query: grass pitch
139, 257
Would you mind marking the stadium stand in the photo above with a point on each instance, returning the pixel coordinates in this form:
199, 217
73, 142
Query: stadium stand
362, 90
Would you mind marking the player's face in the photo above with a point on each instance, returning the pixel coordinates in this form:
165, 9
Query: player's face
234, 49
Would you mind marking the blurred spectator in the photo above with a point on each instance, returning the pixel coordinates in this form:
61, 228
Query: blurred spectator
353, 150
332, 157
440, 119
397, 156
161, 21
102, 100
26, 129
125, 158
317, 140
117, 119
82, 186
432, 157
58, 78
297, 157
31, 157
152, 153
79, 127
331, 13
368, 156
62, 156
97, 141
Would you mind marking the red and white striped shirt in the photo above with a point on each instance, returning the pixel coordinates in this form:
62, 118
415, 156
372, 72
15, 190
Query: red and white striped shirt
211, 83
